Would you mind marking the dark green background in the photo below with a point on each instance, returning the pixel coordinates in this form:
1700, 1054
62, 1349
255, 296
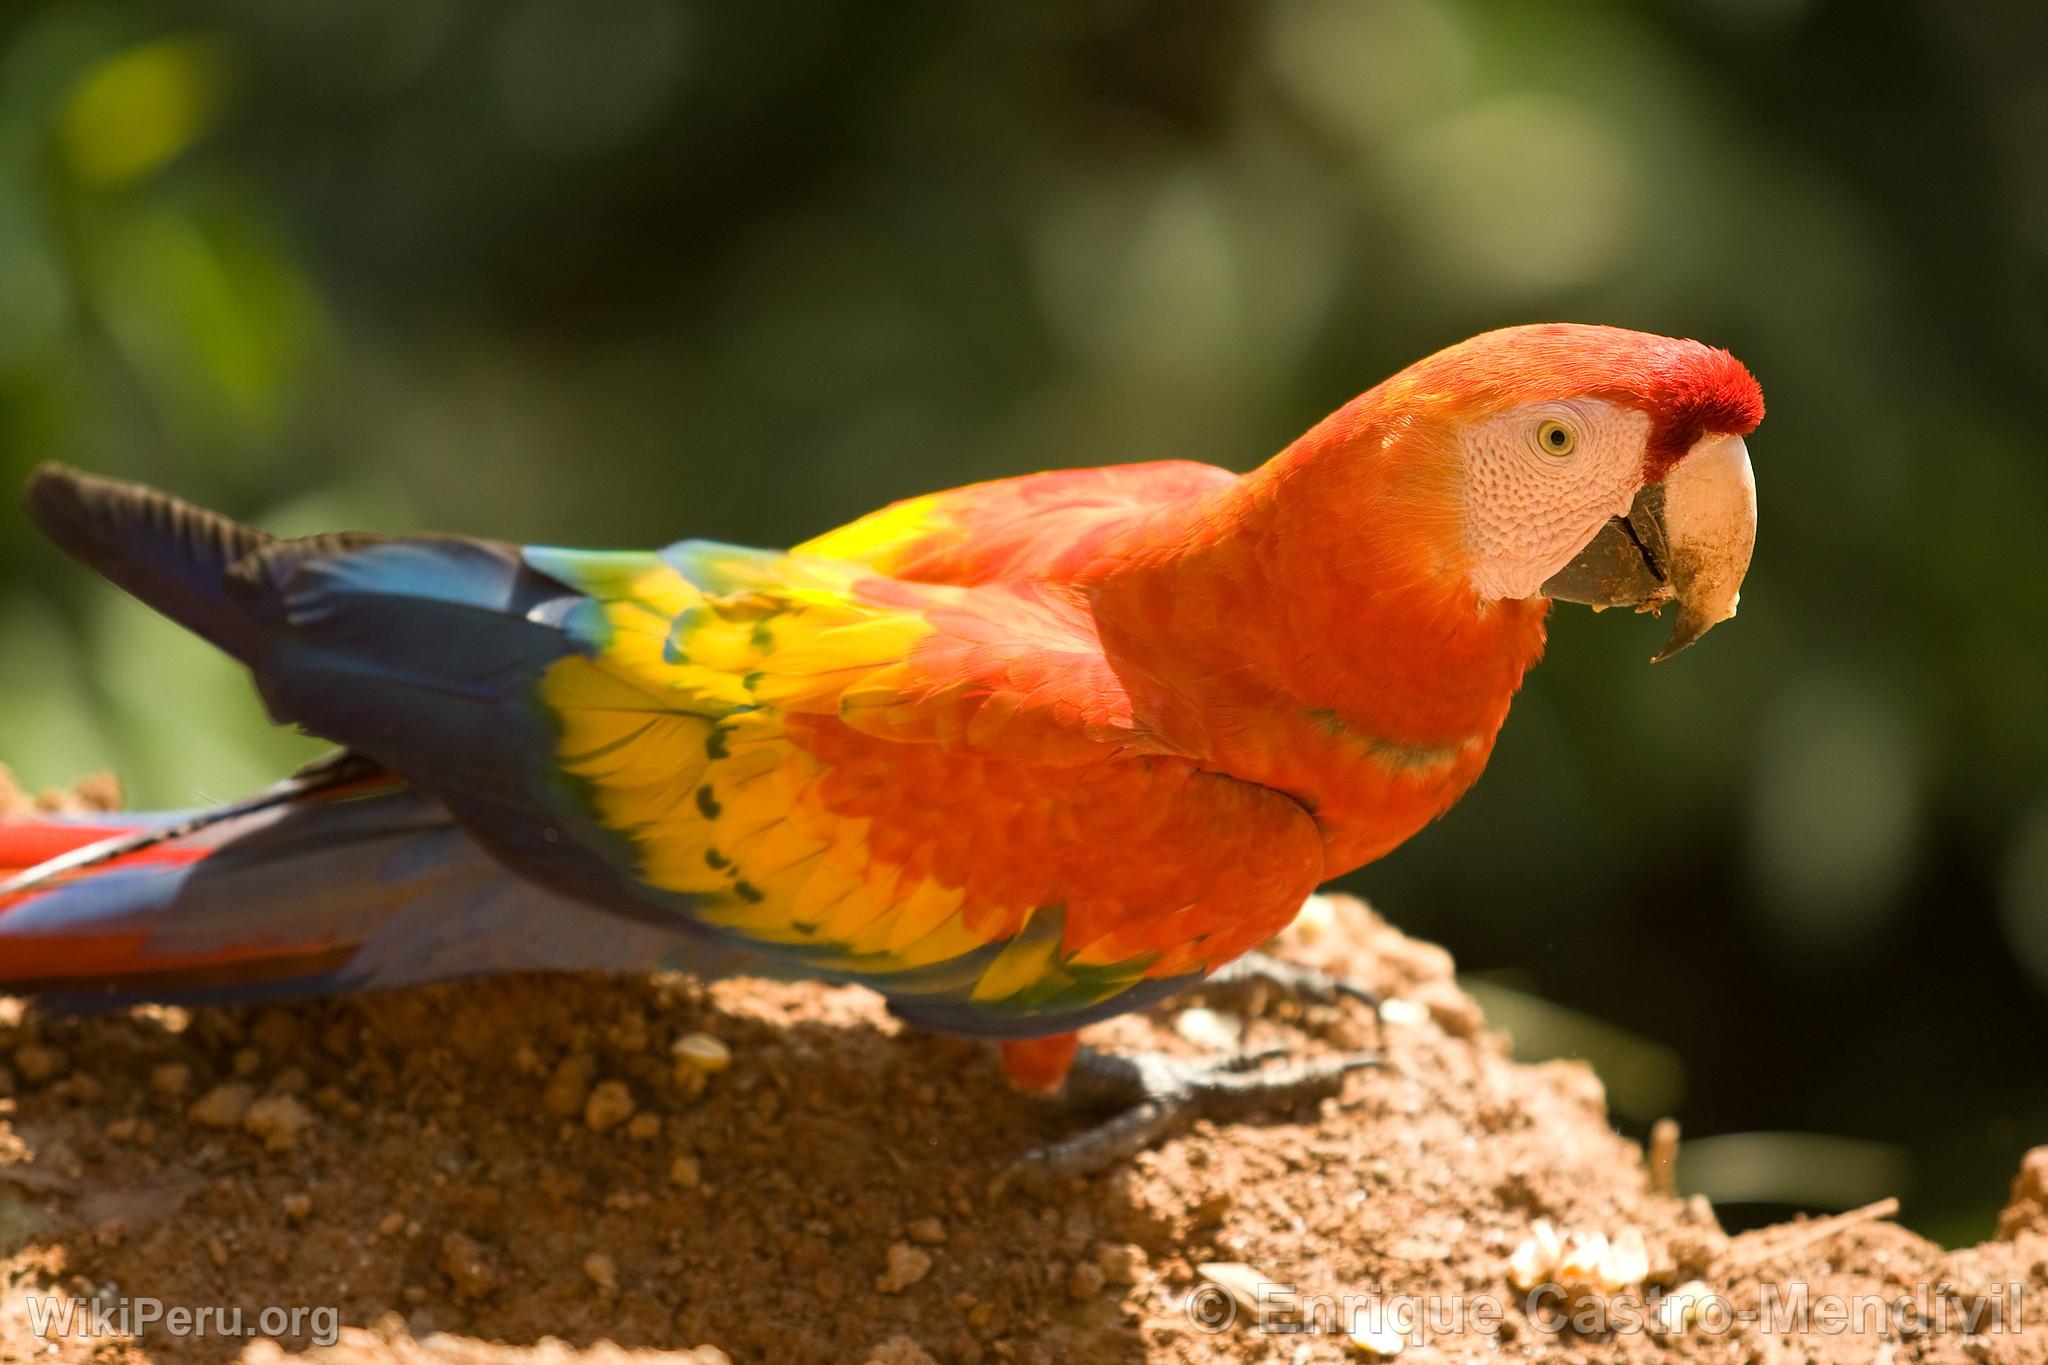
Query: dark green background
622, 271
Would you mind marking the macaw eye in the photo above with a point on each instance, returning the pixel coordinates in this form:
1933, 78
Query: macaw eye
1556, 438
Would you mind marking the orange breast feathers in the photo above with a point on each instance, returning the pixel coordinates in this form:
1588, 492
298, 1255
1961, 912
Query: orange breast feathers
1212, 597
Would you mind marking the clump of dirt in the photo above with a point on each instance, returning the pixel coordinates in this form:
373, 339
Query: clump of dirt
557, 1169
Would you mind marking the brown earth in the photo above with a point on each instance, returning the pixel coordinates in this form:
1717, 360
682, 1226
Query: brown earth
522, 1169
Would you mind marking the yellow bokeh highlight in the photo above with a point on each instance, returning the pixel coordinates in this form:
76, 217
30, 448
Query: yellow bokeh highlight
141, 108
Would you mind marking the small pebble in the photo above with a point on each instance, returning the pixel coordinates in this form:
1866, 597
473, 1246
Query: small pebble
601, 1271
609, 1105
469, 1266
37, 1063
248, 1062
80, 1088
277, 1033
898, 1350
569, 1086
224, 1106
644, 1127
297, 1206
907, 1265
98, 792
391, 1225
930, 1231
1455, 1012
686, 1172
170, 1079
1121, 1264
278, 1120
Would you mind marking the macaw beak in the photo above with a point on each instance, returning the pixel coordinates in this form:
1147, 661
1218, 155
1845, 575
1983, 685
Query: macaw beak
1686, 539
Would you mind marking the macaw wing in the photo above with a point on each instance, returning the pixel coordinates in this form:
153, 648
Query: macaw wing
936, 791
939, 790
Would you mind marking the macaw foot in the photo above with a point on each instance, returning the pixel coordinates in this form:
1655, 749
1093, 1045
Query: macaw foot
1154, 1094
1257, 975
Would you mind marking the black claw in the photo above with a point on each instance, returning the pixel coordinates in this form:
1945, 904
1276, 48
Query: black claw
1110, 1142
1230, 1090
1159, 1094
1290, 981
1364, 995
1252, 1060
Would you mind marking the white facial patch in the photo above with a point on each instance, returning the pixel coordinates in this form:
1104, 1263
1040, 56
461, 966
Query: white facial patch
1540, 482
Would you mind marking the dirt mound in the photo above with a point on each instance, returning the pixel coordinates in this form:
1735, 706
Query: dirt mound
534, 1162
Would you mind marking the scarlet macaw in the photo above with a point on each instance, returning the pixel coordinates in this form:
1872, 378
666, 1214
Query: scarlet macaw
1019, 756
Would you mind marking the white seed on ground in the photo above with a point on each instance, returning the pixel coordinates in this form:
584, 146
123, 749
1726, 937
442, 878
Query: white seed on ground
1375, 1333
1236, 1279
1316, 919
1406, 1013
1678, 1309
1627, 1260
1212, 1029
702, 1051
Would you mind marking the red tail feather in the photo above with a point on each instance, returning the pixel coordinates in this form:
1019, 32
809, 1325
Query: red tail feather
25, 843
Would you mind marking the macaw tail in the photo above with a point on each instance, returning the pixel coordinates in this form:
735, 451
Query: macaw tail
321, 894
176, 557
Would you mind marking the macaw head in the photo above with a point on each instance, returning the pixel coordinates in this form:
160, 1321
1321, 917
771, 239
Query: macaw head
1588, 464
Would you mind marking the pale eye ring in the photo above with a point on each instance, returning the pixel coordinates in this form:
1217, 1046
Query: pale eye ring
1556, 438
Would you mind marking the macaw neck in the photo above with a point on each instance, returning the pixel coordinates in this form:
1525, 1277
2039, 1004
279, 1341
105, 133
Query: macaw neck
1312, 627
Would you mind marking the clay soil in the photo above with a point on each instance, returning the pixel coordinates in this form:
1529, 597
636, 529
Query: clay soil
521, 1169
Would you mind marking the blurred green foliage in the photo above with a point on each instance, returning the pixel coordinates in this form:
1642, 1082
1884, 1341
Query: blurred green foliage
621, 271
